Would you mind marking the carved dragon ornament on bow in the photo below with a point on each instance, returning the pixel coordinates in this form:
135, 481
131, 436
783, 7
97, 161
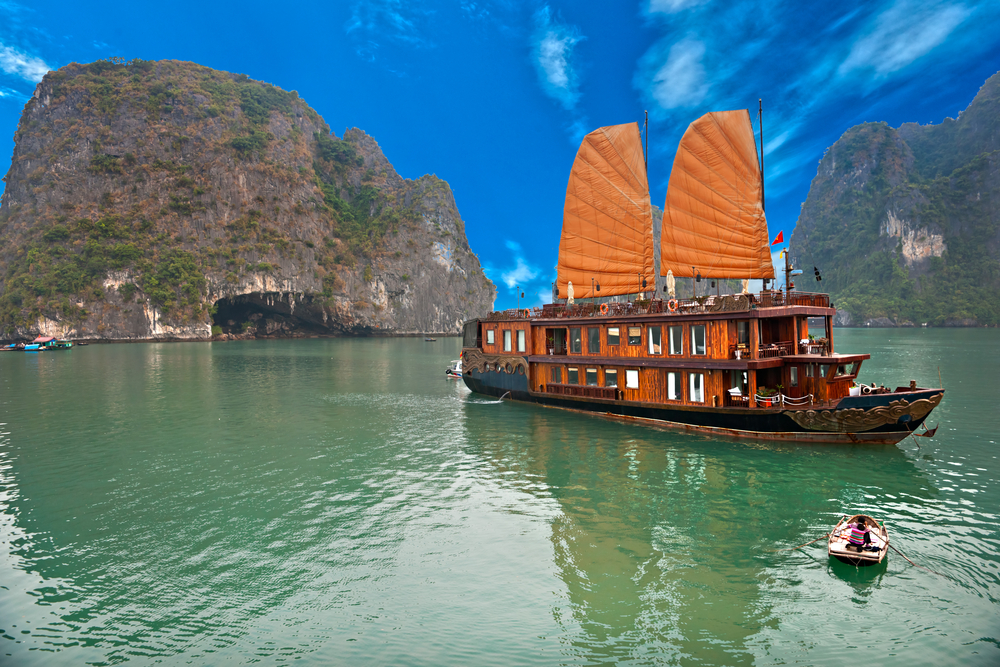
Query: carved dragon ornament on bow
858, 420
473, 359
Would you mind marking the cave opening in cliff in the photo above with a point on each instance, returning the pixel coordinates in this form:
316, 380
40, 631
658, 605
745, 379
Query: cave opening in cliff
264, 315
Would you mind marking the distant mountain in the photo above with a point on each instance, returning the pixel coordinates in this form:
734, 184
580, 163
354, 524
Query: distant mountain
904, 224
162, 199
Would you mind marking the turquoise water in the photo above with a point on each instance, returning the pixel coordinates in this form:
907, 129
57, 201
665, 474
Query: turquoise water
339, 501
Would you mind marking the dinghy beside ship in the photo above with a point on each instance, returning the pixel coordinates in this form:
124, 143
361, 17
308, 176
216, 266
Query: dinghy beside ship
740, 365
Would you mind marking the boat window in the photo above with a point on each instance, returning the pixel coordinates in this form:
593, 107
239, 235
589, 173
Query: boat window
856, 368
635, 335
520, 340
673, 387
697, 388
557, 374
810, 370
823, 369
793, 373
698, 339
655, 340
612, 335
842, 369
490, 339
610, 377
676, 340
506, 340
572, 376
591, 376
743, 334
631, 379
594, 340
575, 341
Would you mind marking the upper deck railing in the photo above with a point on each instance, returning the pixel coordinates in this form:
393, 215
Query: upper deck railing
703, 304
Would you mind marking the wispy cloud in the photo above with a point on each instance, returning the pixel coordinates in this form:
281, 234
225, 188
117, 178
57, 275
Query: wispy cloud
17, 63
901, 34
10, 93
552, 51
374, 22
521, 273
671, 6
680, 82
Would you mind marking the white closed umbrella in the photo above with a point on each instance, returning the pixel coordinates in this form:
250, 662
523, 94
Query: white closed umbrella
671, 285
569, 293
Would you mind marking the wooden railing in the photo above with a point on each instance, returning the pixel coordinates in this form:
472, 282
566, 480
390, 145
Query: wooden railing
730, 401
586, 391
773, 350
765, 351
701, 304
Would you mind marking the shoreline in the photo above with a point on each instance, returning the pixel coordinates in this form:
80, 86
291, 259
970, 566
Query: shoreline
219, 339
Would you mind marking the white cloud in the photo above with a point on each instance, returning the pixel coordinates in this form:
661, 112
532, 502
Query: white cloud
680, 82
671, 6
12, 94
522, 272
901, 34
553, 45
16, 62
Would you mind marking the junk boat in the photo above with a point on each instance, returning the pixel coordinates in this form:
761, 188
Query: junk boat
840, 548
737, 365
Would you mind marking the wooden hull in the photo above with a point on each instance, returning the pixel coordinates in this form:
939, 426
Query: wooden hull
774, 424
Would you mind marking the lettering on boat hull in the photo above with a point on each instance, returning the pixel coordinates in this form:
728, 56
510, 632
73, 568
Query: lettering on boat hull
855, 420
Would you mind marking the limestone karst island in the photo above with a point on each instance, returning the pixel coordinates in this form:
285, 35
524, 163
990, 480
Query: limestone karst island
166, 200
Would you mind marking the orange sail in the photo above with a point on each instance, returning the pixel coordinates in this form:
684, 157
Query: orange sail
607, 235
713, 219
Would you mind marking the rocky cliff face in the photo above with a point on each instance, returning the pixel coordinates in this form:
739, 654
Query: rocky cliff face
162, 199
905, 224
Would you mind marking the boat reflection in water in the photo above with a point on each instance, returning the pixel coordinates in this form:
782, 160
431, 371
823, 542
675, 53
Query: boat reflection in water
665, 545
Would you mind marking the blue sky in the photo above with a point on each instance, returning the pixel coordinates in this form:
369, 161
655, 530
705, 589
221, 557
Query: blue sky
494, 95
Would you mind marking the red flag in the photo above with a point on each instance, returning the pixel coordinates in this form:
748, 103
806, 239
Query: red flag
780, 238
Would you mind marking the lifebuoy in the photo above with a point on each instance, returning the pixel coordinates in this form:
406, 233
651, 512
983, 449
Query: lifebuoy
604, 309
672, 305
865, 389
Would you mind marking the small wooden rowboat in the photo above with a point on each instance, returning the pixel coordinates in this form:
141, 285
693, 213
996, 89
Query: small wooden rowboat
840, 548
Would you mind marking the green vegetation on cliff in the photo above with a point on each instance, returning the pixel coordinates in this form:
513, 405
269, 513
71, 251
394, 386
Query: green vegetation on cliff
905, 224
164, 178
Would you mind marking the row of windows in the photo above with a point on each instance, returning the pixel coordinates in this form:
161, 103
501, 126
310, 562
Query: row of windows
507, 335
696, 381
633, 336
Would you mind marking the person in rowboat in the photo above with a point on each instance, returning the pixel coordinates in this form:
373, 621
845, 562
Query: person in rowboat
860, 537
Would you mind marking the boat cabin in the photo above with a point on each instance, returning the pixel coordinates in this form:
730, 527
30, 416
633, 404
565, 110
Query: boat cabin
691, 355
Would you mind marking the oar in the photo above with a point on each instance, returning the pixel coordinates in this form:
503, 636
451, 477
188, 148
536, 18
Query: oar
914, 564
803, 545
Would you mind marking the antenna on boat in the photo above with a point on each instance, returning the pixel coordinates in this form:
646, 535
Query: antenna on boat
760, 123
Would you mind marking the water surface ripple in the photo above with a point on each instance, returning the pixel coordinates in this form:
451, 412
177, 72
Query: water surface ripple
341, 502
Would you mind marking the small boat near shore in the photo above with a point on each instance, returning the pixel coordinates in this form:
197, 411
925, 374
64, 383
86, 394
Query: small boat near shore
455, 370
839, 545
